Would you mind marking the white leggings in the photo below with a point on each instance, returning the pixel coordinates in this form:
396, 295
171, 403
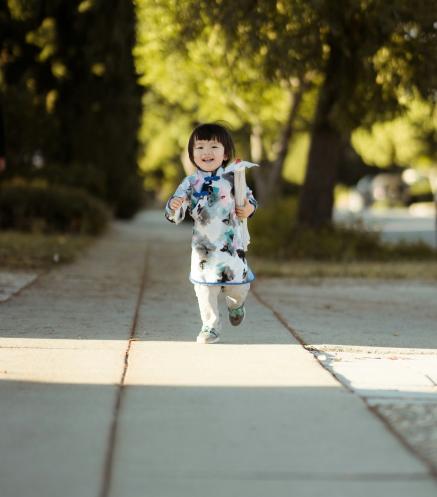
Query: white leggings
207, 296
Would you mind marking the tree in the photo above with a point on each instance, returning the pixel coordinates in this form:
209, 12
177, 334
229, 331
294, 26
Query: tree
368, 56
70, 66
409, 140
207, 80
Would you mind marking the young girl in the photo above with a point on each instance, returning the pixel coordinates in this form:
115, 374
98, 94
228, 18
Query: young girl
218, 258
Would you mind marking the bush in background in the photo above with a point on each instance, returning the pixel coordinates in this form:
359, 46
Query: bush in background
70, 98
131, 196
50, 209
275, 235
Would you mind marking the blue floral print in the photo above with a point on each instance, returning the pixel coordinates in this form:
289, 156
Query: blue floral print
217, 256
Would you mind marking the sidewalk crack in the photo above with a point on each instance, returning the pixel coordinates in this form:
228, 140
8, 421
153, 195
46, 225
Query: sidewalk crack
110, 451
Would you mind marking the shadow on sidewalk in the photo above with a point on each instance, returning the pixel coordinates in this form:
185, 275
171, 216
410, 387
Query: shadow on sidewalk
55, 442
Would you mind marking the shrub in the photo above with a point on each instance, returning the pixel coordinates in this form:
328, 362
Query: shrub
42, 208
275, 234
125, 195
131, 198
74, 175
271, 228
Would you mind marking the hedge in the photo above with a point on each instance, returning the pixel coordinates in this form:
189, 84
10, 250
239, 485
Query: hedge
276, 235
51, 209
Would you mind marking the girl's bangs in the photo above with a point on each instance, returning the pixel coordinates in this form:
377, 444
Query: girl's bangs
205, 134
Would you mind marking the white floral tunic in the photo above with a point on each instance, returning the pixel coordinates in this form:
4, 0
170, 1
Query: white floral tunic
217, 256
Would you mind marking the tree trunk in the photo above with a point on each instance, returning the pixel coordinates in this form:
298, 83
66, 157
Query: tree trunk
317, 196
267, 178
2, 132
274, 178
256, 156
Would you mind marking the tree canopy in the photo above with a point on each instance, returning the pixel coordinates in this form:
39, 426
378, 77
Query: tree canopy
297, 81
387, 48
368, 59
70, 94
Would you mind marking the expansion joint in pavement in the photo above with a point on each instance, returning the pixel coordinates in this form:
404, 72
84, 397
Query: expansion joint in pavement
110, 451
373, 409
309, 348
12, 284
278, 316
316, 352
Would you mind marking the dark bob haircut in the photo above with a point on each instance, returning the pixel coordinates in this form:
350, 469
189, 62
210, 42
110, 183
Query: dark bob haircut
212, 131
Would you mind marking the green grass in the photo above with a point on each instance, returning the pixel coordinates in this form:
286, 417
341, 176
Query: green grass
39, 251
277, 238
299, 269
280, 248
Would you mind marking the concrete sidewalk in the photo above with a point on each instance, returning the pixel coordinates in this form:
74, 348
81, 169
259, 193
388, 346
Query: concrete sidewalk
104, 392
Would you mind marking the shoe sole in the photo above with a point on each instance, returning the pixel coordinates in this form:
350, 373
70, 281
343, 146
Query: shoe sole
237, 324
204, 342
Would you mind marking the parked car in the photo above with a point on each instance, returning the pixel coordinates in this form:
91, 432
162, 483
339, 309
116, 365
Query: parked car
395, 189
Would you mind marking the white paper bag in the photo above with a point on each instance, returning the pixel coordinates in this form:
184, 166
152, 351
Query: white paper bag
239, 169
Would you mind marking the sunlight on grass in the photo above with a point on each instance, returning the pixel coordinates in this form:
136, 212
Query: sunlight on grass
38, 251
425, 271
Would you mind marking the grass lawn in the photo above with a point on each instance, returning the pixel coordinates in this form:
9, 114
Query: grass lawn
38, 251
412, 270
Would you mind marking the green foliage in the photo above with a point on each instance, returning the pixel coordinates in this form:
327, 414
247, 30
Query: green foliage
76, 175
38, 207
424, 270
202, 80
409, 140
383, 49
239, 61
39, 251
70, 92
130, 197
275, 235
30, 129
270, 228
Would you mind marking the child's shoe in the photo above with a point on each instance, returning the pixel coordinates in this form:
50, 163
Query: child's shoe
236, 316
208, 336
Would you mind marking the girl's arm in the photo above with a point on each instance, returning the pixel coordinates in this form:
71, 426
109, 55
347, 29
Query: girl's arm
183, 191
252, 200
248, 209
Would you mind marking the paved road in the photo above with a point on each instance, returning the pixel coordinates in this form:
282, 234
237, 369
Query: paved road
104, 392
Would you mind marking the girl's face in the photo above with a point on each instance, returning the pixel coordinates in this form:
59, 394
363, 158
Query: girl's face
208, 154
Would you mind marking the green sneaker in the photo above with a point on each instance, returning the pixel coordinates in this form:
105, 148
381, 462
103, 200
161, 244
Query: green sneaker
208, 336
236, 316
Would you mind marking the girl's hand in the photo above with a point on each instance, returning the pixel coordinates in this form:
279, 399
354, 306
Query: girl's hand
245, 211
176, 202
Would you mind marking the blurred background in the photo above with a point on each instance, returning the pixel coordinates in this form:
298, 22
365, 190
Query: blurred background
335, 100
